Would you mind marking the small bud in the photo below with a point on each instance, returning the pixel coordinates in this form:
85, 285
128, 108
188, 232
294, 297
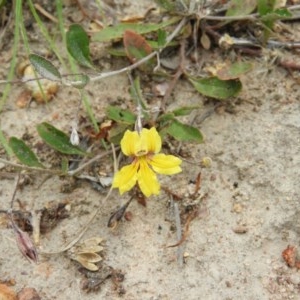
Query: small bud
26, 246
74, 138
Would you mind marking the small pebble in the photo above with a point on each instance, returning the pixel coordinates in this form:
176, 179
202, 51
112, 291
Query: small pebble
240, 229
237, 208
28, 294
295, 278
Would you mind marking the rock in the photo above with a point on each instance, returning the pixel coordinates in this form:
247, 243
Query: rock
295, 278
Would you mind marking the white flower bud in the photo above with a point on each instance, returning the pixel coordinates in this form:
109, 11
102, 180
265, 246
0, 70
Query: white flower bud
74, 138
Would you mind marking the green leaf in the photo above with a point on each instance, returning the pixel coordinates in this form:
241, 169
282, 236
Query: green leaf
120, 115
268, 13
234, 71
79, 82
44, 67
183, 132
161, 38
117, 51
217, 88
57, 139
78, 45
265, 9
117, 32
283, 12
265, 6
277, 14
184, 111
156, 46
24, 153
166, 117
120, 51
241, 8
136, 48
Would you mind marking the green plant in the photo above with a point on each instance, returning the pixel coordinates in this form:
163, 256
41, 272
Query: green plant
144, 45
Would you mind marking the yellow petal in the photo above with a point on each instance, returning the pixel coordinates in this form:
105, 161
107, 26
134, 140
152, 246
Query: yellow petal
147, 179
140, 146
129, 142
151, 139
165, 164
126, 178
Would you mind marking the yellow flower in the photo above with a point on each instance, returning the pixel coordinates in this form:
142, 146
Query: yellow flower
144, 149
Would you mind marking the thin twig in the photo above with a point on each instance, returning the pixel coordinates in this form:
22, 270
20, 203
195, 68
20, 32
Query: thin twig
74, 172
24, 167
14, 194
45, 13
57, 172
230, 18
277, 44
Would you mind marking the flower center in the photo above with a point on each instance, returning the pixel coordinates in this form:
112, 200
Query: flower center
144, 157
141, 153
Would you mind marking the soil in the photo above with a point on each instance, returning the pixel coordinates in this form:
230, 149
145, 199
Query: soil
244, 215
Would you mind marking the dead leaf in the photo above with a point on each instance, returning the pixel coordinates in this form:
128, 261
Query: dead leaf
86, 253
132, 19
289, 255
205, 41
89, 256
136, 46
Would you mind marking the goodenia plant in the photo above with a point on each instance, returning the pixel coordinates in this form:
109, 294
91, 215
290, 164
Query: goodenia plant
143, 45
143, 147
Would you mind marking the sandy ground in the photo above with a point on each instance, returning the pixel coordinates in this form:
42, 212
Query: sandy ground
248, 203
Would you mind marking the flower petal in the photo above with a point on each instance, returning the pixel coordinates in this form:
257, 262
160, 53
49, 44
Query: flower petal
165, 164
147, 179
151, 139
126, 178
129, 142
